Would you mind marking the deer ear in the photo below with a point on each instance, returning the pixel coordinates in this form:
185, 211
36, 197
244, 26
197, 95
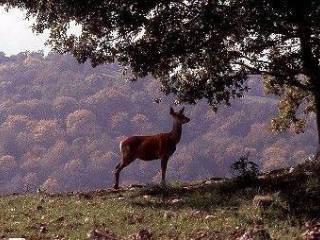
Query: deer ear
181, 111
171, 111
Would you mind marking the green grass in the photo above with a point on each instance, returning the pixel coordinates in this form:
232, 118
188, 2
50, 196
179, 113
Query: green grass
213, 211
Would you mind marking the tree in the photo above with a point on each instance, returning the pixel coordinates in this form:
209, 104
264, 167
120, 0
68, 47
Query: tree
7, 167
198, 49
64, 105
51, 185
34, 108
46, 132
81, 123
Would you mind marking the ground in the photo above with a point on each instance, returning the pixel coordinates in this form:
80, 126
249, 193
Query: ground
279, 206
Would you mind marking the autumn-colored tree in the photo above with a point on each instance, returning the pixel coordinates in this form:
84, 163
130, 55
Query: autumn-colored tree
31, 181
34, 108
103, 101
46, 132
274, 156
141, 124
57, 154
62, 106
7, 167
14, 134
118, 121
81, 123
51, 185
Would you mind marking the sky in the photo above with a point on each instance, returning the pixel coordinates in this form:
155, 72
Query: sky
16, 34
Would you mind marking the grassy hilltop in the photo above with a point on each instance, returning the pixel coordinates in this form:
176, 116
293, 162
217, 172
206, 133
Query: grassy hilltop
281, 205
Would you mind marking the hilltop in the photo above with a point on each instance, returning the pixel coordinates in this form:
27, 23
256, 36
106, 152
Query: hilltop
280, 205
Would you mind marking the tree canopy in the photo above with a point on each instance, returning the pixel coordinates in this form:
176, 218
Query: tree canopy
197, 49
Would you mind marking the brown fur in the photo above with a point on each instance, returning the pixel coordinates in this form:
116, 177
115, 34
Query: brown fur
147, 148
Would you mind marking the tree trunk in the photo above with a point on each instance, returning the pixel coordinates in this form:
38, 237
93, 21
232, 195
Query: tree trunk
312, 70
317, 108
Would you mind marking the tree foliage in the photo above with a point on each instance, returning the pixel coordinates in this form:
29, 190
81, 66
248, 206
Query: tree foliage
244, 169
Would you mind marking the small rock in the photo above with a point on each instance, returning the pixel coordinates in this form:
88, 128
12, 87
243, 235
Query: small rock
86, 196
176, 200
263, 177
262, 200
312, 232
257, 232
195, 213
39, 208
43, 228
218, 179
144, 235
248, 235
130, 219
39, 190
147, 197
136, 186
90, 234
237, 233
59, 237
139, 218
291, 170
208, 217
308, 173
60, 219
261, 233
101, 191
102, 234
169, 215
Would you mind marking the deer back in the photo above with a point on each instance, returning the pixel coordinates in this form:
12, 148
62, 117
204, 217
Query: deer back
148, 147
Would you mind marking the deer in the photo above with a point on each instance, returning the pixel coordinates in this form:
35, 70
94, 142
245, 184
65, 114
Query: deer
147, 148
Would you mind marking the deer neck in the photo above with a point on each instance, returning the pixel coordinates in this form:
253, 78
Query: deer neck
176, 131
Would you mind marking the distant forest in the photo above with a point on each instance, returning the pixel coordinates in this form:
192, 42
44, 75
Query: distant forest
61, 123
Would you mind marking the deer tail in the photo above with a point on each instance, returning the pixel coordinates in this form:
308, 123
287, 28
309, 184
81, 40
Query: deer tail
120, 146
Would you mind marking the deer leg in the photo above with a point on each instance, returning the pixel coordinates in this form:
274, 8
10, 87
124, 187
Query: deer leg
118, 169
116, 175
164, 162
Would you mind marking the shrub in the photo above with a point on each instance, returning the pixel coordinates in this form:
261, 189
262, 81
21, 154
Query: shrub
245, 170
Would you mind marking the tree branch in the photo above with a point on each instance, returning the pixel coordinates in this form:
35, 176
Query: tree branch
271, 73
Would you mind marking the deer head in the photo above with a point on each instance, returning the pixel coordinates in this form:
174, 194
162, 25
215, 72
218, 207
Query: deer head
179, 116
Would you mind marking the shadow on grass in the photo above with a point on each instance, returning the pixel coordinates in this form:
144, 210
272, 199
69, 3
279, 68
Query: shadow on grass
303, 201
302, 198
226, 195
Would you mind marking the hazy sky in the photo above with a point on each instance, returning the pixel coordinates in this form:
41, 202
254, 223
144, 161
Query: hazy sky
16, 34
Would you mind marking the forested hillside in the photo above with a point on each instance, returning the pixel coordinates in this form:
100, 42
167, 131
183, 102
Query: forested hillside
61, 124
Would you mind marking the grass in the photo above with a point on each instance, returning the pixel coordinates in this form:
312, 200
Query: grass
203, 211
